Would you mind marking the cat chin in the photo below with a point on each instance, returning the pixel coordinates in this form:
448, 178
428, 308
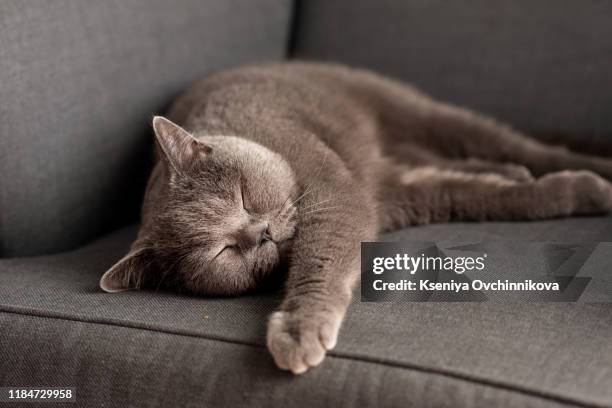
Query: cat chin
230, 279
216, 291
265, 282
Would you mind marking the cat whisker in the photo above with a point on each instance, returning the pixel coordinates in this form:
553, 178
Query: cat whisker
304, 194
321, 209
321, 202
295, 184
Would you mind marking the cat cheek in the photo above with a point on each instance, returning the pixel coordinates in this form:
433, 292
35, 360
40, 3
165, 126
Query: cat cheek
266, 258
281, 232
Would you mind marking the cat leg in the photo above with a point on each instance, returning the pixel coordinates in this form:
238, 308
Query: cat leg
407, 116
428, 195
335, 215
411, 118
478, 166
460, 133
411, 155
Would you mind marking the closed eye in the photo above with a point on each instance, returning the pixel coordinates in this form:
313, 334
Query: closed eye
225, 249
245, 205
242, 198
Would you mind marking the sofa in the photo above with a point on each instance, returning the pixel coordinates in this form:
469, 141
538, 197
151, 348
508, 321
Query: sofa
79, 84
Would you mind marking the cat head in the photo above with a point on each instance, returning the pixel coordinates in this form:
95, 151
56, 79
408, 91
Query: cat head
218, 216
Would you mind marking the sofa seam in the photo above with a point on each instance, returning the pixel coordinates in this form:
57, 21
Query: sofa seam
333, 354
293, 28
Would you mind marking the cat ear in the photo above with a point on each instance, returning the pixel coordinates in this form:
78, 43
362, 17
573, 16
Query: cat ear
179, 148
127, 273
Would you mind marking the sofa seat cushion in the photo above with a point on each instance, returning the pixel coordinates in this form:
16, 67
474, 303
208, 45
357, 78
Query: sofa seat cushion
162, 349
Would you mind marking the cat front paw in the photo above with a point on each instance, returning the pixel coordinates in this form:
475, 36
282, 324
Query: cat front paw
298, 340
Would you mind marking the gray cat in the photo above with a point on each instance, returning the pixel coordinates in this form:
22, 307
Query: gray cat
300, 162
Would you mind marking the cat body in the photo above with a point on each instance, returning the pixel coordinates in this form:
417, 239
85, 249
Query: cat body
298, 163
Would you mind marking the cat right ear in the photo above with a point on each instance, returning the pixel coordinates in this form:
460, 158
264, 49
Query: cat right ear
179, 148
127, 273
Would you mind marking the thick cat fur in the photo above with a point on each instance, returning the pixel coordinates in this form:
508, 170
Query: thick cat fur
300, 162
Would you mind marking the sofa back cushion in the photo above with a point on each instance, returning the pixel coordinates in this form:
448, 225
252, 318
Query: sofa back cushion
79, 83
542, 65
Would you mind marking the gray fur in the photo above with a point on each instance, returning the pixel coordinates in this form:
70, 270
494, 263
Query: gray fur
302, 162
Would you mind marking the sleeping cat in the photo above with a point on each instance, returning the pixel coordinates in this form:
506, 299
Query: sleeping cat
300, 162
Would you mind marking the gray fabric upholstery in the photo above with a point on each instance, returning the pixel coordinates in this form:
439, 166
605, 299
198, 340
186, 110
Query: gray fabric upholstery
162, 349
79, 83
541, 65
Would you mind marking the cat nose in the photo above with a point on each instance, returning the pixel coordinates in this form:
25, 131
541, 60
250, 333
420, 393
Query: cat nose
266, 234
254, 234
261, 234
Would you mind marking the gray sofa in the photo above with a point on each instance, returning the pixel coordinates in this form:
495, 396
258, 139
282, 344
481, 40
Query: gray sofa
79, 83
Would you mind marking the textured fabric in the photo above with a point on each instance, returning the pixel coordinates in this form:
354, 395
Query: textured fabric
149, 349
140, 368
541, 65
79, 83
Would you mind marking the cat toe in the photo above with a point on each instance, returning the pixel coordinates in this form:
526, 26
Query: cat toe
299, 342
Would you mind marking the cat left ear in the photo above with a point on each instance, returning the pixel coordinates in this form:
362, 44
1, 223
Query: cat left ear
128, 273
179, 148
